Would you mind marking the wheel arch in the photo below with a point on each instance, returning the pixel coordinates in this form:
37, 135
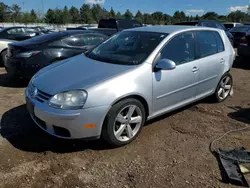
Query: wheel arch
135, 96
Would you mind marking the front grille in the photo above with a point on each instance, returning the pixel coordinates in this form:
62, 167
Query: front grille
38, 94
42, 97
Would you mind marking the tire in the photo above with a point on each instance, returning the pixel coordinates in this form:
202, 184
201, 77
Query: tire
112, 123
223, 87
2, 60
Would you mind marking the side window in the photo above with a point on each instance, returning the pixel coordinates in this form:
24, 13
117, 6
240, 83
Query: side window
90, 40
75, 41
207, 43
207, 24
180, 49
220, 43
219, 26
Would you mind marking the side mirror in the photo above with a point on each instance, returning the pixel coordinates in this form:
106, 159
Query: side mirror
165, 64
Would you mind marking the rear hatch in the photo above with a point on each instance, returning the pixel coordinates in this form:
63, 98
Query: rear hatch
239, 32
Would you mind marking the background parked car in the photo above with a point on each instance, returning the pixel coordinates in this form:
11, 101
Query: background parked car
239, 33
209, 23
230, 25
25, 58
112, 26
12, 34
42, 30
244, 46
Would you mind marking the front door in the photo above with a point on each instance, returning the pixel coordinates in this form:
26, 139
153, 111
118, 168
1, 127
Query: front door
175, 88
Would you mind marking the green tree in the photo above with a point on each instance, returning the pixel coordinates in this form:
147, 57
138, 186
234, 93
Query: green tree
147, 19
74, 13
16, 15
112, 13
86, 14
4, 12
158, 17
118, 15
26, 18
210, 16
167, 19
97, 13
128, 14
33, 16
139, 16
197, 17
66, 16
50, 16
237, 16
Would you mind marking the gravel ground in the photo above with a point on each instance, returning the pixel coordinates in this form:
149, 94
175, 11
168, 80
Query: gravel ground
171, 151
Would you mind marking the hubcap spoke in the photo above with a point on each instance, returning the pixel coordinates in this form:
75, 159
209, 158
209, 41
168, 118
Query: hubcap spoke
121, 129
129, 131
227, 87
223, 93
130, 111
135, 119
121, 119
227, 80
220, 92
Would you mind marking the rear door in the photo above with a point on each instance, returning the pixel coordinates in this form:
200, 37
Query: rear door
175, 88
212, 57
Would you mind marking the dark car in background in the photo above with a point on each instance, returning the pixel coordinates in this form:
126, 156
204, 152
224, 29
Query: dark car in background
244, 45
42, 30
230, 25
18, 33
239, 33
209, 23
111, 26
25, 58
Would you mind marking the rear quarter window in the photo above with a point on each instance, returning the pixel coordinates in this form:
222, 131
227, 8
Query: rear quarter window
210, 43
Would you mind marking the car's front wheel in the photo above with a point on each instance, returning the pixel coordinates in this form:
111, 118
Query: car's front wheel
124, 122
3, 57
224, 87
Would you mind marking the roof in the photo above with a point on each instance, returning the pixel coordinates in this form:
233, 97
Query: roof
164, 29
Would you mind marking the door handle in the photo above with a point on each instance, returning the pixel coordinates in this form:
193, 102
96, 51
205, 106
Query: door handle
222, 61
195, 69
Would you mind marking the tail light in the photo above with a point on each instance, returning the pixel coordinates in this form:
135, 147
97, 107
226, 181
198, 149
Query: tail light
28, 54
243, 41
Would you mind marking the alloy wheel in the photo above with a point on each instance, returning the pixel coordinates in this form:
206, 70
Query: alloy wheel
224, 88
127, 123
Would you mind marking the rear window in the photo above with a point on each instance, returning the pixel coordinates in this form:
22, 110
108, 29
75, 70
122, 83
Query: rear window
45, 38
187, 23
240, 29
125, 24
229, 26
107, 24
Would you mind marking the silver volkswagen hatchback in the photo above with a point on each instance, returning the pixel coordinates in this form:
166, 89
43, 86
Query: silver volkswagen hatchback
134, 76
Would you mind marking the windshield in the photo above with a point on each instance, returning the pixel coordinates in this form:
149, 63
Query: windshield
127, 47
229, 26
240, 29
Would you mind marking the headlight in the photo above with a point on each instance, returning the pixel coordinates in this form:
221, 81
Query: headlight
70, 100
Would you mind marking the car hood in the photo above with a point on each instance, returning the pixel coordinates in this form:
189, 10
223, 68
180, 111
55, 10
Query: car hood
79, 72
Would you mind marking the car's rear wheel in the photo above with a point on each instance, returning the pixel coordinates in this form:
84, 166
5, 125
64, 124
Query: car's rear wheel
124, 122
3, 57
224, 87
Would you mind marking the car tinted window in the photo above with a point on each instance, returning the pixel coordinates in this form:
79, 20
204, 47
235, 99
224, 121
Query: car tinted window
219, 26
93, 39
180, 49
75, 40
125, 24
127, 47
208, 43
240, 29
29, 30
229, 26
219, 41
16, 31
208, 24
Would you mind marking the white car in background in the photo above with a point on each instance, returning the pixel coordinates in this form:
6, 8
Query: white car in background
3, 49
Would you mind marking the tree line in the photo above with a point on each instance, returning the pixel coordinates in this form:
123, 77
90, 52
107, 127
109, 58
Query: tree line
87, 14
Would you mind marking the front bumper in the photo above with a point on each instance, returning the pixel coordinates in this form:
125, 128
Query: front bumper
67, 124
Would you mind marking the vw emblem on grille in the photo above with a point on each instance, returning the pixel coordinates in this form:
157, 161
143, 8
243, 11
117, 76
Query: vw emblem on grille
33, 92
